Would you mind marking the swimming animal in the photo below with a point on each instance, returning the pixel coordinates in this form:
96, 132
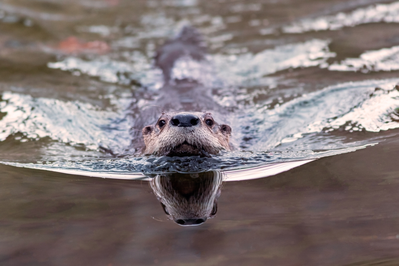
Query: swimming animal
184, 127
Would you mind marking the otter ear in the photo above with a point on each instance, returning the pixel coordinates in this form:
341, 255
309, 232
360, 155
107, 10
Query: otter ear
226, 129
147, 130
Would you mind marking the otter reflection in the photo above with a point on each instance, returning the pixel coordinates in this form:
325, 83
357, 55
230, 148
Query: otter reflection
188, 199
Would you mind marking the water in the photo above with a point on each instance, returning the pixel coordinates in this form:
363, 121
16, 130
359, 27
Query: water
303, 84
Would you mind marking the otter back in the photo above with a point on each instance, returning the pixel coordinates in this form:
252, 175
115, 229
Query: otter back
188, 42
184, 127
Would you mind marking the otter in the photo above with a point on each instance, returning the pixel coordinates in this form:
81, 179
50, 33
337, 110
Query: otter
186, 134
185, 127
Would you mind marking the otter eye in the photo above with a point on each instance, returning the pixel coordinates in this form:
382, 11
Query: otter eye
209, 122
161, 123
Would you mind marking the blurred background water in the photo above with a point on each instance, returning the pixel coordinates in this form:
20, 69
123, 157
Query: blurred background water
302, 80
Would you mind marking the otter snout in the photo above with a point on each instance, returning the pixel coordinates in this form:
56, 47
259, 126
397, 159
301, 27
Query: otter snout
184, 120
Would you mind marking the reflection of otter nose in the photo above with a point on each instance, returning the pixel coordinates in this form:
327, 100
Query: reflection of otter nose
191, 221
184, 120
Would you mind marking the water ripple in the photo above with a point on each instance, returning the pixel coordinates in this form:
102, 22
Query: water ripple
72, 123
388, 13
386, 59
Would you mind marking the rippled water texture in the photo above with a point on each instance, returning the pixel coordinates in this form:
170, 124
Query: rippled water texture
310, 85
84, 118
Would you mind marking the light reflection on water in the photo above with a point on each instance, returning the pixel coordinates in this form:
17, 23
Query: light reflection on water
228, 175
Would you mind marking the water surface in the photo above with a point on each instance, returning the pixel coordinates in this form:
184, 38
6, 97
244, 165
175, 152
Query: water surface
305, 84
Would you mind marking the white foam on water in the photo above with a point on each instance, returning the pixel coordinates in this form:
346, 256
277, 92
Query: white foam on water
101, 30
180, 3
386, 59
388, 13
238, 69
73, 123
188, 68
113, 71
217, 70
104, 69
355, 106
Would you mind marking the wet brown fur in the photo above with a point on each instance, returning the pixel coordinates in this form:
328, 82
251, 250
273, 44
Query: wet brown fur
182, 95
201, 139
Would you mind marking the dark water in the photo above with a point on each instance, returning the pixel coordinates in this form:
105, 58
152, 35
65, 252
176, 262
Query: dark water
308, 85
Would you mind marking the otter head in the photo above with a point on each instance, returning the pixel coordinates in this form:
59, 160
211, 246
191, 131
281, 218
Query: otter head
184, 134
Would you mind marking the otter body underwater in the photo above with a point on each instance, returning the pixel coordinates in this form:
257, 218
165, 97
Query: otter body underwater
185, 126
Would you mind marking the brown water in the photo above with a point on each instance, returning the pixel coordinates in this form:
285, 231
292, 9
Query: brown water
304, 80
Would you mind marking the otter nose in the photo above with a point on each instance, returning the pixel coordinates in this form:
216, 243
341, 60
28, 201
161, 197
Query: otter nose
191, 221
184, 120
